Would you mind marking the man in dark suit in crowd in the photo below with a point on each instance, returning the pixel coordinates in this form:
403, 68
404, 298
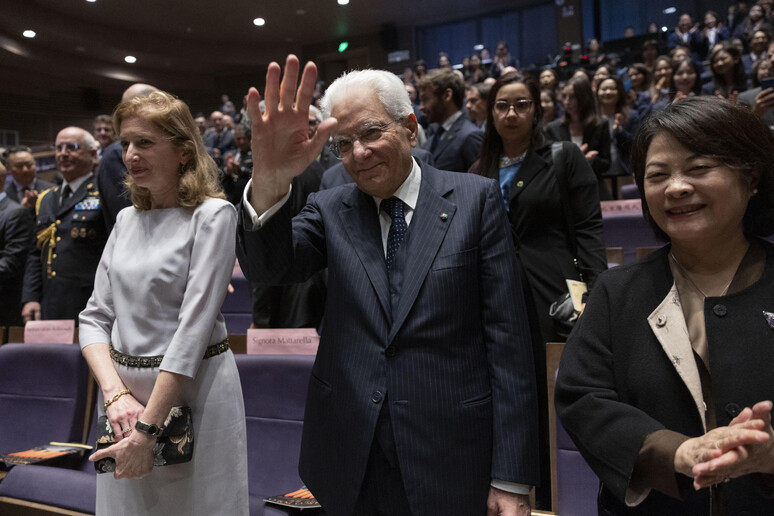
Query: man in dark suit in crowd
24, 186
112, 172
761, 101
70, 233
220, 139
453, 140
16, 224
422, 397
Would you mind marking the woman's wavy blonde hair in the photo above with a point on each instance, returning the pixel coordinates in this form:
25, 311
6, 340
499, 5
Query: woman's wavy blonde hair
199, 174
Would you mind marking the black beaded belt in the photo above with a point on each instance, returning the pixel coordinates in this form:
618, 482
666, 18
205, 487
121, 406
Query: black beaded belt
155, 361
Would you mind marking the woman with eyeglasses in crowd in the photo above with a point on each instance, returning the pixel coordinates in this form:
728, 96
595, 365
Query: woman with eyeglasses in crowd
515, 152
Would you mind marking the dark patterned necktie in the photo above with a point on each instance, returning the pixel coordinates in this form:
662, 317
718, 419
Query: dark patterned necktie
394, 208
437, 138
66, 191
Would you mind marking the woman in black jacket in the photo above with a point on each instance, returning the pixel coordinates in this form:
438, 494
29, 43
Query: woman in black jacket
515, 153
665, 383
583, 127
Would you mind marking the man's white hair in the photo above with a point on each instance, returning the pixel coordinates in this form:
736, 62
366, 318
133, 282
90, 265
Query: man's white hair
387, 86
316, 113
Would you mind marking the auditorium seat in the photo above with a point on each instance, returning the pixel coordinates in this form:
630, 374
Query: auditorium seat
56, 488
237, 308
630, 191
274, 389
43, 392
624, 226
577, 485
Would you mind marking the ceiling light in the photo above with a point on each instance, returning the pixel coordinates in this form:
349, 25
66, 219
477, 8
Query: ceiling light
91, 1
260, 22
343, 2
664, 28
670, 10
130, 59
29, 33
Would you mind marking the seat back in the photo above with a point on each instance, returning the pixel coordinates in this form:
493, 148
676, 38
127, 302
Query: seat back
577, 485
237, 308
274, 389
43, 391
628, 230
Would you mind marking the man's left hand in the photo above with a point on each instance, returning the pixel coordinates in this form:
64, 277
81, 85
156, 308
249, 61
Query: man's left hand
503, 503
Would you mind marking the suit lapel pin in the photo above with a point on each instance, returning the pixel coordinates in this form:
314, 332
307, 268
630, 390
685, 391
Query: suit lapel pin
445, 216
769, 318
520, 184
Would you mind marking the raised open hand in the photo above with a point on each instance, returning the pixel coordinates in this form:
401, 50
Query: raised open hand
280, 136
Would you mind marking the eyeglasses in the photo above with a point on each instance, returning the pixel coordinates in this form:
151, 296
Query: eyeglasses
368, 135
69, 147
313, 122
520, 107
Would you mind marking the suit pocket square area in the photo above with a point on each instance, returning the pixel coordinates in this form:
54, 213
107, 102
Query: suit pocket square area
459, 259
769, 318
481, 399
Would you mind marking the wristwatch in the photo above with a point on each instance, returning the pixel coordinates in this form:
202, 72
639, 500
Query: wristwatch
154, 430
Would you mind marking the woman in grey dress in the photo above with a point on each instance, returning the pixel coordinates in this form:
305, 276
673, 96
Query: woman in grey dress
158, 291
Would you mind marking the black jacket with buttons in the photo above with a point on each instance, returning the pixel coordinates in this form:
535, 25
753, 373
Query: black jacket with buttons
616, 385
60, 271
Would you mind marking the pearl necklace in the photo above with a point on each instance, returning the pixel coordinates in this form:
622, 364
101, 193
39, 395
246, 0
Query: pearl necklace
505, 161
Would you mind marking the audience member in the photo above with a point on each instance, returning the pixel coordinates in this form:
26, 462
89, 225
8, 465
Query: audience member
679, 53
16, 230
686, 33
24, 186
655, 377
660, 88
420, 70
103, 133
201, 123
443, 61
111, 173
501, 60
227, 108
475, 103
549, 108
238, 165
710, 35
686, 78
758, 45
70, 234
641, 81
157, 297
728, 77
753, 22
601, 73
516, 155
220, 139
454, 141
650, 51
474, 73
614, 108
737, 12
581, 125
386, 459
759, 99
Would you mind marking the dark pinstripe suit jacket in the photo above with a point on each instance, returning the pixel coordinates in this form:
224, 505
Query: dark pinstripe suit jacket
452, 355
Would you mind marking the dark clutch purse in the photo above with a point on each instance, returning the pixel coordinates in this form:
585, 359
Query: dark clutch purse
173, 446
564, 314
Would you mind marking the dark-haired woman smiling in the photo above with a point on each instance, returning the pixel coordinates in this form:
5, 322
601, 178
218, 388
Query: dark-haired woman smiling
665, 383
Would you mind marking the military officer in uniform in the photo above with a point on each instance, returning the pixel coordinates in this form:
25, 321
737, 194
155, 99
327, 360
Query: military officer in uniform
70, 234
